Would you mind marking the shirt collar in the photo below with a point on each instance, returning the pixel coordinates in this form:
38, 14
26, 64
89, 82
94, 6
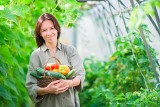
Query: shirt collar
59, 46
44, 47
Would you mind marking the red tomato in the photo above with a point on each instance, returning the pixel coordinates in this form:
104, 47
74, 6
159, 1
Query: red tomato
47, 67
55, 66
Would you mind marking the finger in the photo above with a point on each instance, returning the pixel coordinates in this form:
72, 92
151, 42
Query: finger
59, 92
56, 92
59, 84
55, 82
62, 89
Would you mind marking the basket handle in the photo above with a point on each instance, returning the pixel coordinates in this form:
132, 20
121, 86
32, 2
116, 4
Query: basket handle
57, 61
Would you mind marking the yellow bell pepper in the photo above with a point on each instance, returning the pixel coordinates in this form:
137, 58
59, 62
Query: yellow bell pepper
64, 69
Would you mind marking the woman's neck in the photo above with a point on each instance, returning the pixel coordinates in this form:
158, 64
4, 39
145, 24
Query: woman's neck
51, 46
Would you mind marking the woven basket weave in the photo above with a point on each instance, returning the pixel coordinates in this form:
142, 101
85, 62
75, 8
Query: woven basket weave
45, 80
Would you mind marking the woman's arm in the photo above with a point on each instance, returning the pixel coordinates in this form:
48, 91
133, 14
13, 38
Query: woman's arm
31, 82
75, 82
77, 63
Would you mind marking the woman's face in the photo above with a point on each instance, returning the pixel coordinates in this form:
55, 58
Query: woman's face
48, 32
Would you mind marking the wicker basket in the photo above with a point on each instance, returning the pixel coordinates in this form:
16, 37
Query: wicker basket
45, 80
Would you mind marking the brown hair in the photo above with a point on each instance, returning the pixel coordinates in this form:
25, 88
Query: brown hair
41, 19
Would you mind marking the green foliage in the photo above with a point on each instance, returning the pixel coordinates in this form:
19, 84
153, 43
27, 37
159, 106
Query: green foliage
98, 90
95, 78
126, 80
142, 98
116, 83
129, 66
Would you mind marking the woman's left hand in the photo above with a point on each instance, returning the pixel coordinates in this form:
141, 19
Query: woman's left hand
65, 83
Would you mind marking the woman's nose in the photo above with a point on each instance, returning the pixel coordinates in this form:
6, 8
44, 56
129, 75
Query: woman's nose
49, 32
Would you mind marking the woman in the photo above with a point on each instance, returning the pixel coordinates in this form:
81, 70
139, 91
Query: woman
59, 93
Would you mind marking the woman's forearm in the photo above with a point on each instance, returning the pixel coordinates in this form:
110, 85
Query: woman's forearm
75, 81
42, 91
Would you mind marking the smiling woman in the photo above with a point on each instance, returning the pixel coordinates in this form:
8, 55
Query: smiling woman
58, 93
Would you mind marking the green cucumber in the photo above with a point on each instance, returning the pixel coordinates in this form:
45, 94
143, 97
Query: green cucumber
40, 71
71, 73
35, 75
55, 75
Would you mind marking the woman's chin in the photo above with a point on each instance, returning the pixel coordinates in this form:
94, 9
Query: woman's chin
51, 40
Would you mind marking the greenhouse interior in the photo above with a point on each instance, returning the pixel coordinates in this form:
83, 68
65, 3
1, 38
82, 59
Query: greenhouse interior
118, 42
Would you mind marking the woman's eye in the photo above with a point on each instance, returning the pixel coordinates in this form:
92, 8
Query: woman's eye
52, 28
43, 30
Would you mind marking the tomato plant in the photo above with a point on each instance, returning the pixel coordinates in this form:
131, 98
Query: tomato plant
123, 80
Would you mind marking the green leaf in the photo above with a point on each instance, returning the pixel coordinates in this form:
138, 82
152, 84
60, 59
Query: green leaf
4, 2
10, 83
27, 1
24, 9
2, 41
39, 4
4, 93
157, 3
142, 60
7, 33
120, 96
7, 14
148, 9
5, 54
3, 69
1, 103
12, 104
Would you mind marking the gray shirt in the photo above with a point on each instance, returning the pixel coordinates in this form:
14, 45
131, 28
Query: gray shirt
67, 55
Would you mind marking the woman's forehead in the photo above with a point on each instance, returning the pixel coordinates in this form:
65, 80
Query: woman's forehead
47, 23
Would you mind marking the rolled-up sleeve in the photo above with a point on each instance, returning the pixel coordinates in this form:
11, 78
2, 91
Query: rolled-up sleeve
31, 82
77, 64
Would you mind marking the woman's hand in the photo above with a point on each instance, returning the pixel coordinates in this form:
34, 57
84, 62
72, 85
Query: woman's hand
66, 83
55, 87
58, 86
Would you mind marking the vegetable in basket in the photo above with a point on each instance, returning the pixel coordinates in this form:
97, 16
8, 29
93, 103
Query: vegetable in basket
64, 69
71, 73
52, 74
52, 67
40, 73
